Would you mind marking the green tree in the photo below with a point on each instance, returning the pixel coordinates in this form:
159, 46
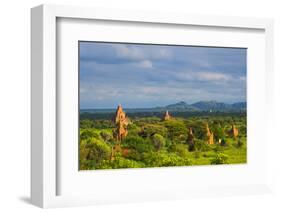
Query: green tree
88, 133
176, 129
159, 159
180, 149
86, 124
138, 143
149, 130
219, 158
106, 136
158, 141
95, 150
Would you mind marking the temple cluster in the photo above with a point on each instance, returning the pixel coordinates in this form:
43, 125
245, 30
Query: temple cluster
121, 122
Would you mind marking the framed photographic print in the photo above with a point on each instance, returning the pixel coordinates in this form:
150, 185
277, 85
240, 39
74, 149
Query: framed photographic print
151, 106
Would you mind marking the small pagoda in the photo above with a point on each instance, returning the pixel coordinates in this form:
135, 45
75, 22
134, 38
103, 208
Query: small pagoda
121, 121
190, 140
210, 135
167, 116
233, 132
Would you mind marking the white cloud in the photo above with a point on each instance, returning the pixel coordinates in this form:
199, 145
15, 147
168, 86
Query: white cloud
203, 76
140, 53
212, 76
242, 78
132, 52
145, 64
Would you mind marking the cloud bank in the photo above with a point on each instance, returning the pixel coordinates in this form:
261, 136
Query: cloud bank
157, 75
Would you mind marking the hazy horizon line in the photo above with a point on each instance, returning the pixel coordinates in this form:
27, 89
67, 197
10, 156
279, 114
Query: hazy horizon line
113, 107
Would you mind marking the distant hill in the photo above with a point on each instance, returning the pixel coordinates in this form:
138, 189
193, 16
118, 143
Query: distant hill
207, 106
182, 106
201, 106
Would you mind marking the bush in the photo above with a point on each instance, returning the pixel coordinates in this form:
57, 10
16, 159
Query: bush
88, 133
198, 127
96, 150
180, 150
158, 141
219, 132
200, 145
240, 143
106, 136
86, 124
133, 130
149, 130
220, 158
119, 162
138, 143
176, 129
159, 159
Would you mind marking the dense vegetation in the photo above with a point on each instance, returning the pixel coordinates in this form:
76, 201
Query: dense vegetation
152, 142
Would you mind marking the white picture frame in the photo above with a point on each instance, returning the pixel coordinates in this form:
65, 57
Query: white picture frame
44, 150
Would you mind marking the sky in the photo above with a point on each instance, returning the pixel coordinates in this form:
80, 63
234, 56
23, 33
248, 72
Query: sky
143, 75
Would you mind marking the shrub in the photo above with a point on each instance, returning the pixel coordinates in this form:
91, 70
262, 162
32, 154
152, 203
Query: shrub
106, 136
200, 145
219, 158
158, 141
149, 130
180, 150
176, 129
86, 124
159, 159
138, 143
88, 133
133, 130
240, 143
120, 162
97, 150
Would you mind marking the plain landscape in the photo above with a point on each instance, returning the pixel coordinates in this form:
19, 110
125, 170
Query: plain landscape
147, 105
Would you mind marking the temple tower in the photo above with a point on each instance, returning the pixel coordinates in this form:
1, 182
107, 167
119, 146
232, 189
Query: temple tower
167, 116
210, 135
233, 132
121, 121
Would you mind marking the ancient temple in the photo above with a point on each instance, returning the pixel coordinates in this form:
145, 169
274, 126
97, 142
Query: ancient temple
210, 135
167, 116
233, 132
121, 121
190, 136
190, 140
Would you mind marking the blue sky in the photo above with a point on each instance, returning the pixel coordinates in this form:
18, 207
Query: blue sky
157, 75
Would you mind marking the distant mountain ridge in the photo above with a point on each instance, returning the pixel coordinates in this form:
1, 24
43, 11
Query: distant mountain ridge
207, 106
200, 106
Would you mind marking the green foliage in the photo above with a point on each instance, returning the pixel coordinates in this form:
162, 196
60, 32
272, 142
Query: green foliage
154, 143
88, 133
180, 150
219, 132
158, 141
93, 152
118, 163
149, 130
219, 158
106, 136
198, 127
138, 143
133, 129
159, 159
240, 143
176, 129
201, 145
86, 124
98, 124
